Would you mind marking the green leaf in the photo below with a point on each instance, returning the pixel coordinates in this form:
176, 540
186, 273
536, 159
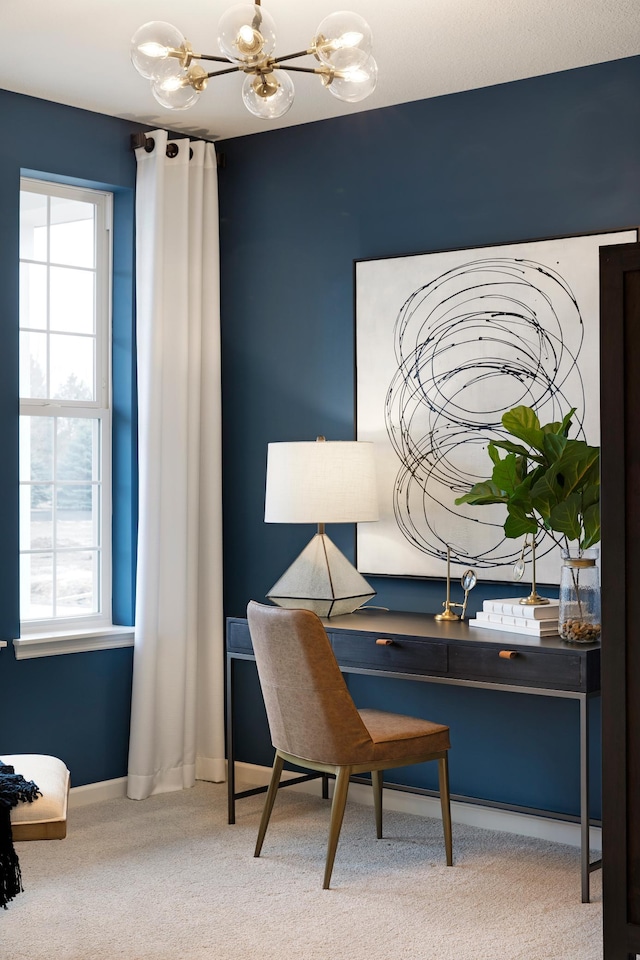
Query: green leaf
518, 526
591, 496
483, 493
578, 466
561, 429
566, 422
545, 494
518, 449
591, 523
565, 517
507, 473
523, 423
554, 446
535, 475
493, 452
521, 498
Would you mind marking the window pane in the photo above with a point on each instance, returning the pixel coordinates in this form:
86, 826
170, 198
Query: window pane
33, 296
72, 300
76, 583
41, 516
33, 365
75, 525
25, 517
72, 367
36, 448
72, 233
36, 586
33, 226
77, 449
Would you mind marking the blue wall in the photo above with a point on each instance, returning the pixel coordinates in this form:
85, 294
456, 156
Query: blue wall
550, 156
74, 706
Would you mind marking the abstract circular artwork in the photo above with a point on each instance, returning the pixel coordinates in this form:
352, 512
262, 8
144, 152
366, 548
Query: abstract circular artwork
446, 343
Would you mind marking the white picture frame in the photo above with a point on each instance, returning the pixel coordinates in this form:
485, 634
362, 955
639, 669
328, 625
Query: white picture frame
446, 342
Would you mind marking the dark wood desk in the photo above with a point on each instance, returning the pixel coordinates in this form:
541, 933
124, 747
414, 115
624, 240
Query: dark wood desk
420, 648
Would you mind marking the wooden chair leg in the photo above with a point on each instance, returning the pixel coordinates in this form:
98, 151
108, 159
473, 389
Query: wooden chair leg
376, 783
276, 773
337, 813
445, 804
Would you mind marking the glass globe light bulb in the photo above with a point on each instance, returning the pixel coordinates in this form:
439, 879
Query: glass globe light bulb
354, 84
343, 40
268, 96
178, 93
158, 50
246, 34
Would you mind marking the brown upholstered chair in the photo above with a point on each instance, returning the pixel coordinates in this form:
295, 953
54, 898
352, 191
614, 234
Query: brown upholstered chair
314, 722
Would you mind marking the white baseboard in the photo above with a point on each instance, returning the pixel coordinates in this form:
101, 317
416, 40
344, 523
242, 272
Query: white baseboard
94, 792
473, 814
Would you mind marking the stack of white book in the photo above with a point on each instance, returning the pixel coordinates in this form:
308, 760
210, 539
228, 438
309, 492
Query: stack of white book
535, 619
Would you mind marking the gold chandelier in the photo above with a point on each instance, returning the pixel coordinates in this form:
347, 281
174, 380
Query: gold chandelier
247, 38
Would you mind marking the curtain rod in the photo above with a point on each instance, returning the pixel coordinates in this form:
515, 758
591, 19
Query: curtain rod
142, 140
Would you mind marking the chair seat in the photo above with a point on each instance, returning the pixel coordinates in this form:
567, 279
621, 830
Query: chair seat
398, 738
46, 817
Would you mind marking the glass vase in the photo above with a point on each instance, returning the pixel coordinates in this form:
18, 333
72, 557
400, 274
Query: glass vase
579, 612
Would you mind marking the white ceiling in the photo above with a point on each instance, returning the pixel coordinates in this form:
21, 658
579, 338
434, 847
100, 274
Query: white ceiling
77, 51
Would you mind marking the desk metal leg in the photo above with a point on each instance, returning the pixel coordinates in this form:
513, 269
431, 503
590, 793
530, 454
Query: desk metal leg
584, 797
587, 866
231, 771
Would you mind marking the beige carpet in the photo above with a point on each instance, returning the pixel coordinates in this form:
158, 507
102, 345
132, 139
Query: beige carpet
168, 878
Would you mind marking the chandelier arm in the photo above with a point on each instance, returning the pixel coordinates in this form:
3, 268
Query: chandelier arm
284, 66
219, 73
207, 56
300, 53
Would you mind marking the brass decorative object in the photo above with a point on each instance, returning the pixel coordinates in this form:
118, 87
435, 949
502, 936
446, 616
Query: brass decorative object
468, 582
518, 573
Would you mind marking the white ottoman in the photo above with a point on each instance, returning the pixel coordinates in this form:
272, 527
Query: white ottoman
46, 817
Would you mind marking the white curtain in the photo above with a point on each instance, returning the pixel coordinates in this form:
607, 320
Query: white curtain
177, 718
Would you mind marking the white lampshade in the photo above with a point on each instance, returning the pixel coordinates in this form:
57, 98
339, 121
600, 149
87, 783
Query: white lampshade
321, 482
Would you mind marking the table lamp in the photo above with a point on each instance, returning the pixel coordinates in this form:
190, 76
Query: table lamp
321, 482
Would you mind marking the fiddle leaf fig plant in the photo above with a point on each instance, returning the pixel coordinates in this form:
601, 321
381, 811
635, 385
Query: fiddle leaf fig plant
547, 481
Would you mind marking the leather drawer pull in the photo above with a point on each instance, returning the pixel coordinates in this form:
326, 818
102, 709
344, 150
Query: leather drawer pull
508, 654
384, 642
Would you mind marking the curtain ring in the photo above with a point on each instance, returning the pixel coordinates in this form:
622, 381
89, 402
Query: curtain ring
172, 149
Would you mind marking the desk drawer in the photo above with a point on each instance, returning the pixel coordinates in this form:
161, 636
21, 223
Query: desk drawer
555, 671
396, 654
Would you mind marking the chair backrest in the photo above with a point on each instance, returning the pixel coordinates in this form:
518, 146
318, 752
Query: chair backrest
309, 708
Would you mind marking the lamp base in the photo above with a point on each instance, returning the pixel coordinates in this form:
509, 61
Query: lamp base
321, 579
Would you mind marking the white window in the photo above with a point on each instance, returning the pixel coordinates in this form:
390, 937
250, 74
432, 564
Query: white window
65, 417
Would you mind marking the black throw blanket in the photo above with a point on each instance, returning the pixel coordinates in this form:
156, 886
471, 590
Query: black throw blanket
14, 789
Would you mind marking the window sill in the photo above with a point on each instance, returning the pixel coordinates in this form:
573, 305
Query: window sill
72, 641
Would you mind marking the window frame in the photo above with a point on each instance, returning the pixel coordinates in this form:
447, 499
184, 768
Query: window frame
89, 628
